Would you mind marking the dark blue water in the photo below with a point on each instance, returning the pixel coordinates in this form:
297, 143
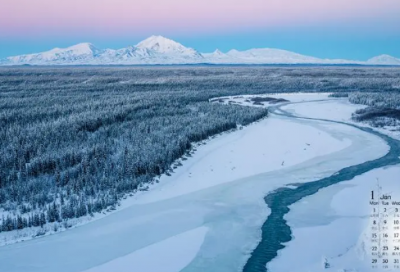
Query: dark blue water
275, 230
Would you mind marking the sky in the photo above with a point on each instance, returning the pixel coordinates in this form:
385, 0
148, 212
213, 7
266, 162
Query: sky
350, 29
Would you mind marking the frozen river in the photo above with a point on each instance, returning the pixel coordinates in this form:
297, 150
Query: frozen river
276, 231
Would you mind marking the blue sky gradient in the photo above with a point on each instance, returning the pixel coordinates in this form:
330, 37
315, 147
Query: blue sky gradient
343, 34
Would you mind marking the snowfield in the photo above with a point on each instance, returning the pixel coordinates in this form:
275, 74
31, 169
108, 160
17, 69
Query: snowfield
187, 245
207, 215
260, 148
336, 110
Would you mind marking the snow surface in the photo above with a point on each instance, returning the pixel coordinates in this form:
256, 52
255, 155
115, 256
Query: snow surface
161, 50
336, 110
182, 248
245, 153
291, 97
211, 208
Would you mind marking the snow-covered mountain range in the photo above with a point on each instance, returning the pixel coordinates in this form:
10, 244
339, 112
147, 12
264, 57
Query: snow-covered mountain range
160, 50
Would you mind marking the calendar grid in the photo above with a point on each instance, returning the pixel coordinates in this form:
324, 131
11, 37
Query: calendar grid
385, 231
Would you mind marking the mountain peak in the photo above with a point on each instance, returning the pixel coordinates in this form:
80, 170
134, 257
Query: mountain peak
161, 44
77, 49
218, 52
384, 59
383, 56
82, 49
233, 51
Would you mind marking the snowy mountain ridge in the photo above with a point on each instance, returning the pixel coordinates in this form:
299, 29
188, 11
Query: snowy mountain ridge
384, 60
163, 45
161, 50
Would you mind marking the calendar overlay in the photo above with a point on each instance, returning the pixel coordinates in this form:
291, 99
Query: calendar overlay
385, 231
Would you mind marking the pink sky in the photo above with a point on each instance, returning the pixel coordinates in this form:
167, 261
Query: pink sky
109, 17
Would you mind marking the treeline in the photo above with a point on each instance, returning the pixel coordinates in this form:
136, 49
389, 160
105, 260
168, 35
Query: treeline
377, 99
76, 140
383, 108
